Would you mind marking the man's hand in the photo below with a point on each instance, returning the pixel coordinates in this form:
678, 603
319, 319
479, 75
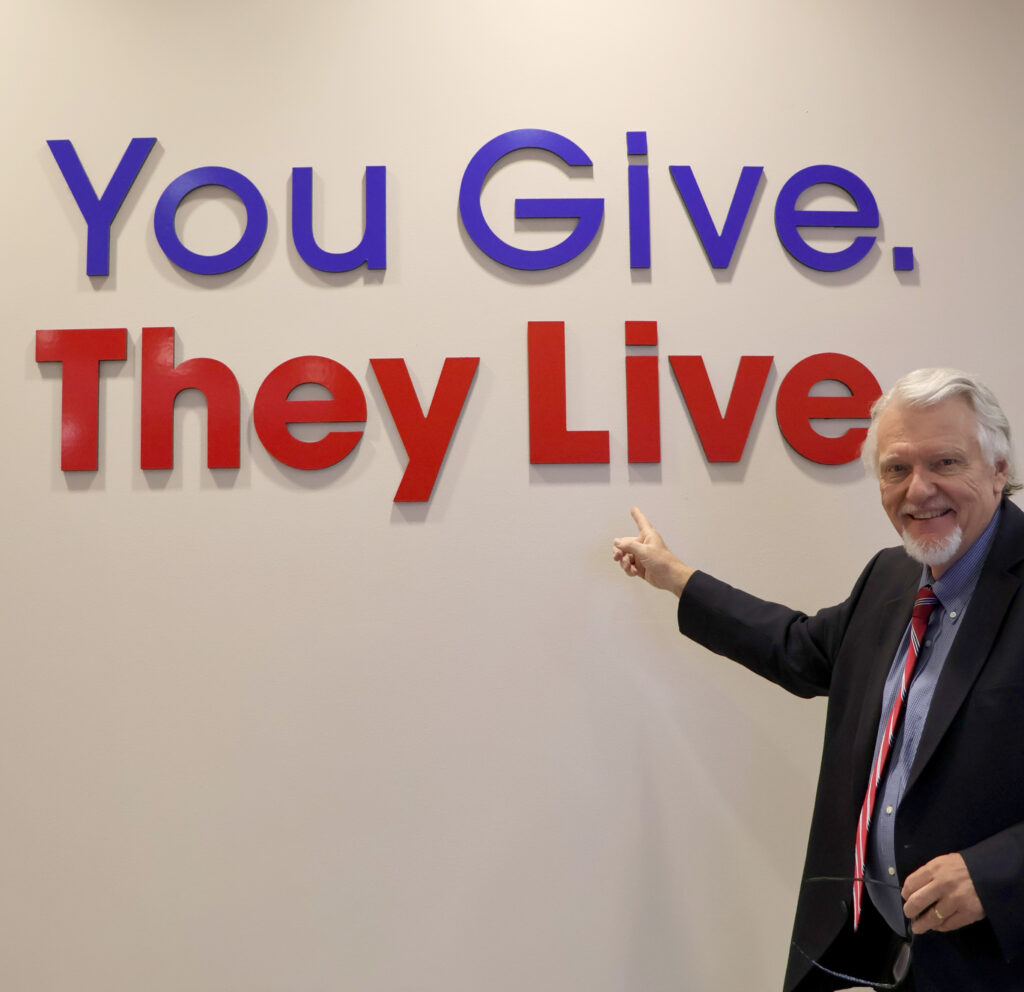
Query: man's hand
646, 557
940, 896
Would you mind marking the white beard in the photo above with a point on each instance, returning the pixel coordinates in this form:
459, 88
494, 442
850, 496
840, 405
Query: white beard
934, 552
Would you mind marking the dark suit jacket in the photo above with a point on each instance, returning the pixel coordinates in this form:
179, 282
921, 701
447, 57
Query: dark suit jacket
966, 786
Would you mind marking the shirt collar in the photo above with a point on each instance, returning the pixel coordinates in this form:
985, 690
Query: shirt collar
957, 584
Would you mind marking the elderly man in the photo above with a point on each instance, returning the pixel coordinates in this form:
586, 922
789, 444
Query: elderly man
914, 875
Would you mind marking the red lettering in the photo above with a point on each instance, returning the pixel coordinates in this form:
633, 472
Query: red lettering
550, 442
273, 411
796, 408
723, 438
643, 414
80, 352
161, 383
426, 438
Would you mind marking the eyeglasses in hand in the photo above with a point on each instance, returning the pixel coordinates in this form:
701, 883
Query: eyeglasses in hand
900, 967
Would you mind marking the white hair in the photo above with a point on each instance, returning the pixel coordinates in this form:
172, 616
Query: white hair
926, 387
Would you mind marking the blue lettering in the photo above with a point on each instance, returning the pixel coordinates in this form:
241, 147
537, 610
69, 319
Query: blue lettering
639, 203
248, 244
719, 248
788, 220
99, 212
587, 211
372, 250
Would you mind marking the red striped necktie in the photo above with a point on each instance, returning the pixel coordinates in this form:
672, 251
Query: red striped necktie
923, 606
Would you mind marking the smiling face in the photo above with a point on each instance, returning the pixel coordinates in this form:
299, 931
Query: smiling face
937, 487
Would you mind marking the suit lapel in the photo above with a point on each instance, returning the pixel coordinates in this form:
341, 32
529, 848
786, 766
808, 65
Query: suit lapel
974, 641
893, 617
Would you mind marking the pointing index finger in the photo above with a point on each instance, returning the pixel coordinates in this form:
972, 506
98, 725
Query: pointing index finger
641, 521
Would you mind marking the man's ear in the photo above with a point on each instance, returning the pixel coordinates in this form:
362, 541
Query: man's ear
1002, 471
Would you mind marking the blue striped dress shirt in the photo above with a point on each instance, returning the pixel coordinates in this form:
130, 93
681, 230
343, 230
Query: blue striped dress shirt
953, 591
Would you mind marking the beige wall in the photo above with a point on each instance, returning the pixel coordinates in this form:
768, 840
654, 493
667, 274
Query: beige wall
268, 730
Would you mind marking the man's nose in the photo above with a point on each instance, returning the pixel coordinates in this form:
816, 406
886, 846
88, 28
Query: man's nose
920, 486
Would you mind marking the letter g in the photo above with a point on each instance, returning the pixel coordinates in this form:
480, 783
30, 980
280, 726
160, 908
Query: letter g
587, 211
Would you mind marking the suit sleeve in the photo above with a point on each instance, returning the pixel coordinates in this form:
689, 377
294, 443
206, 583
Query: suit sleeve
790, 648
996, 866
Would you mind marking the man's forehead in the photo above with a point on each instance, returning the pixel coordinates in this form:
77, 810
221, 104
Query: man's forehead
950, 421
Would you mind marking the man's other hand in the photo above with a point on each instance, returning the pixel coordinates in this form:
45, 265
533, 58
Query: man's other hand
940, 896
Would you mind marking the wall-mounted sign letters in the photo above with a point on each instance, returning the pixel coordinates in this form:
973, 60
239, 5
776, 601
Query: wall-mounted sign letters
98, 210
427, 436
